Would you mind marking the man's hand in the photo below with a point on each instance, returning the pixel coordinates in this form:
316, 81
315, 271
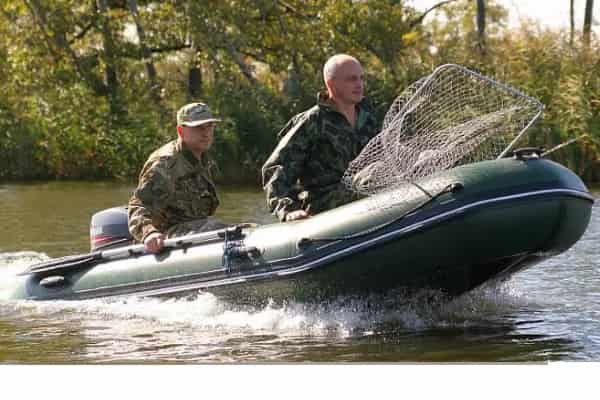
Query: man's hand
294, 215
154, 242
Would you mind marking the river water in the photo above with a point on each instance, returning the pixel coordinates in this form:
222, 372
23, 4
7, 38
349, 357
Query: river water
549, 312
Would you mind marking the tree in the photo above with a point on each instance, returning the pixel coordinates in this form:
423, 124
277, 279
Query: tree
481, 26
90, 80
587, 23
109, 57
572, 21
54, 32
146, 52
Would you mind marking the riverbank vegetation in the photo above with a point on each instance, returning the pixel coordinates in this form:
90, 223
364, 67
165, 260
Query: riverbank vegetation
89, 89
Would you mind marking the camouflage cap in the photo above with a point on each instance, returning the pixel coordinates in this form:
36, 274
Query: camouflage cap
195, 114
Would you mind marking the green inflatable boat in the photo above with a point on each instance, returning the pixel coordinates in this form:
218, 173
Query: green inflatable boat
450, 231
447, 206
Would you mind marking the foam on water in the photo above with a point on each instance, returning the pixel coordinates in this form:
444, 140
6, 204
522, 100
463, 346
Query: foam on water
341, 317
13, 263
19, 260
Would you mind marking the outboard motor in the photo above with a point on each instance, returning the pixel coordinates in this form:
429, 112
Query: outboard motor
108, 229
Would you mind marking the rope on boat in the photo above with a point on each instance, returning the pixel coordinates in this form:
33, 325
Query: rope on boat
451, 188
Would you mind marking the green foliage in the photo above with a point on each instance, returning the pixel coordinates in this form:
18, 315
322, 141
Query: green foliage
251, 119
77, 100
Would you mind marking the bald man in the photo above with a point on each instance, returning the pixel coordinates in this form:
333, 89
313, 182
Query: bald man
302, 177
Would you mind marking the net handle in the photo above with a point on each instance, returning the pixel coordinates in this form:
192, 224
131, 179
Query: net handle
516, 139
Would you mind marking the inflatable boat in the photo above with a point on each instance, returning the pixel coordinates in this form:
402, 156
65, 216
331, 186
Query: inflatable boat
450, 231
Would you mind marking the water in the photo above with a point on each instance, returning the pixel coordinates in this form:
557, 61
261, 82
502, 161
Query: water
547, 313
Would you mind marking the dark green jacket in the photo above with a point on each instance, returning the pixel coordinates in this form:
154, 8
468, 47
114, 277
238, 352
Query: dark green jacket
316, 146
174, 188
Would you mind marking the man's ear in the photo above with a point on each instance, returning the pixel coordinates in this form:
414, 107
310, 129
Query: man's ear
180, 131
330, 85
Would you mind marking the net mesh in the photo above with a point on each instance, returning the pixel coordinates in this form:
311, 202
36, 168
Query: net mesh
452, 117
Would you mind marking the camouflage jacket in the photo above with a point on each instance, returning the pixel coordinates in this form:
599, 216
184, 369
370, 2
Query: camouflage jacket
174, 188
316, 146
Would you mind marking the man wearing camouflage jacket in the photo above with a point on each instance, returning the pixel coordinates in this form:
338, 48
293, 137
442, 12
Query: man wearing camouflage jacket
302, 176
176, 194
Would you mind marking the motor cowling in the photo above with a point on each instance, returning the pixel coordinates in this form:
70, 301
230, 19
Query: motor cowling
108, 229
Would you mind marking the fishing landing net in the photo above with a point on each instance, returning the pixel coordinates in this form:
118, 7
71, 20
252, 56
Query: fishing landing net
451, 117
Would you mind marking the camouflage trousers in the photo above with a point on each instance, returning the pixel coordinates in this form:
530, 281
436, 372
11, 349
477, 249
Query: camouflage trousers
195, 226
